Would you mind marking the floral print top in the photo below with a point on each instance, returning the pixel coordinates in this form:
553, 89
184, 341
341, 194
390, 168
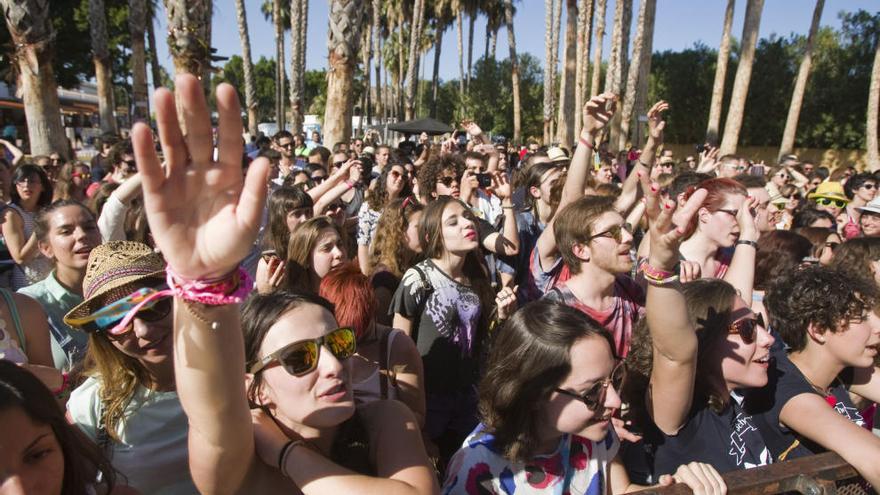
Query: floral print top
478, 468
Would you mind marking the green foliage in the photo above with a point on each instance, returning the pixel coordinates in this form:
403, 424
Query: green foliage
490, 102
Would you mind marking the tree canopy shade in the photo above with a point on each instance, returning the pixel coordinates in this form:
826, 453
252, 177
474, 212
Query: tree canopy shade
430, 126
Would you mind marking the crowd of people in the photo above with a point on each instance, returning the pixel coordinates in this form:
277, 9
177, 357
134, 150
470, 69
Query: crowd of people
459, 316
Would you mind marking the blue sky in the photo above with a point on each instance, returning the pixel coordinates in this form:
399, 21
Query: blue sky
679, 24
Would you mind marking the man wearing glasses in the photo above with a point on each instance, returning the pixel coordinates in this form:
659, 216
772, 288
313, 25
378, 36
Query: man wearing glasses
123, 166
283, 143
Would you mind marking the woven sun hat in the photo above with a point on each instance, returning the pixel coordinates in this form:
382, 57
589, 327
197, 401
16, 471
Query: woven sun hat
115, 270
830, 190
667, 160
872, 207
557, 155
369, 150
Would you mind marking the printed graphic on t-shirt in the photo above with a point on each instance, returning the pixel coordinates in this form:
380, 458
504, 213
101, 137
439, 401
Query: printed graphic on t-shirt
743, 431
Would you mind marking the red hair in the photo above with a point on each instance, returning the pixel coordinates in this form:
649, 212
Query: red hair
351, 293
718, 189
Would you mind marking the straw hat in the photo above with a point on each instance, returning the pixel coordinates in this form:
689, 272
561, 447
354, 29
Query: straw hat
557, 155
114, 271
830, 190
369, 150
667, 160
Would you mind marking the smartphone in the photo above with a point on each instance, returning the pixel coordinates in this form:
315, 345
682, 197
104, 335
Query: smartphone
268, 255
485, 180
757, 170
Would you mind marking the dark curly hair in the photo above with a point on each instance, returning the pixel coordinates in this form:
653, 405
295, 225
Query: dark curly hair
433, 169
531, 356
119, 150
856, 255
377, 197
822, 296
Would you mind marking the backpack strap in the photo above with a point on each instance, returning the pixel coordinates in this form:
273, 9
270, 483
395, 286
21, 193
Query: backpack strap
383, 366
421, 308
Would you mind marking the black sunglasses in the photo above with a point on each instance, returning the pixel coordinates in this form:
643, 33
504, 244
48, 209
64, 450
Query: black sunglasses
747, 328
594, 397
448, 181
615, 233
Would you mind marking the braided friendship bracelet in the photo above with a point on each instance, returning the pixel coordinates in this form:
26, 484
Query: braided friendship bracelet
654, 274
231, 289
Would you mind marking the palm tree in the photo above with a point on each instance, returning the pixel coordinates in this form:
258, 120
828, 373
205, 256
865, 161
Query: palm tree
457, 7
298, 30
418, 19
472, 7
638, 69
548, 67
343, 39
494, 11
743, 76
598, 42
873, 111
155, 71
30, 28
367, 61
720, 76
278, 22
377, 49
584, 35
250, 87
554, 63
565, 121
189, 41
617, 65
800, 85
443, 19
103, 66
514, 70
137, 20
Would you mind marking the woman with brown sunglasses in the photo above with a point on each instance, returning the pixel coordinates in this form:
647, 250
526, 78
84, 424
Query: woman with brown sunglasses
305, 436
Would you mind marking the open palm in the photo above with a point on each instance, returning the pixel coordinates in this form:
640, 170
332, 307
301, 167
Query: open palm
204, 217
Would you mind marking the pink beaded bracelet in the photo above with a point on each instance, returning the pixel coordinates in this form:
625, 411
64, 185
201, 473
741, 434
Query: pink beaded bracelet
654, 274
231, 289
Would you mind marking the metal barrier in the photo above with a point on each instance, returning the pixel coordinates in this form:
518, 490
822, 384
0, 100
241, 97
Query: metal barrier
823, 474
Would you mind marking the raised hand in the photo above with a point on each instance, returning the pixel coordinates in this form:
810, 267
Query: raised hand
656, 124
203, 215
501, 185
708, 159
667, 227
701, 478
745, 218
598, 112
472, 128
506, 302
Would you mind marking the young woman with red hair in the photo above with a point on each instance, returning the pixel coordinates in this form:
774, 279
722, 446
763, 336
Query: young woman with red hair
387, 364
723, 236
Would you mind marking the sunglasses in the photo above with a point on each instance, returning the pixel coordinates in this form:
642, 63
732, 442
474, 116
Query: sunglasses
318, 178
868, 186
301, 357
81, 175
287, 146
780, 206
832, 245
828, 202
147, 304
448, 181
132, 164
29, 181
594, 397
339, 164
615, 233
395, 174
747, 327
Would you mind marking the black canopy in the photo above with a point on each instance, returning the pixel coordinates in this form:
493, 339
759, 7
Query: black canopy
430, 126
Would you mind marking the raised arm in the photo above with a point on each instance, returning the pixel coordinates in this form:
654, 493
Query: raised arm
741, 272
630, 191
597, 113
21, 249
111, 223
673, 336
318, 192
17, 154
506, 242
205, 222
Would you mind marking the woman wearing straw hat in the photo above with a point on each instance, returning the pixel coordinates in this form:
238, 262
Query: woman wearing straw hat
129, 405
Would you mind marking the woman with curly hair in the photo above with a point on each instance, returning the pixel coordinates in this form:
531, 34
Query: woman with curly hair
550, 391
73, 179
393, 183
395, 248
828, 319
779, 252
825, 242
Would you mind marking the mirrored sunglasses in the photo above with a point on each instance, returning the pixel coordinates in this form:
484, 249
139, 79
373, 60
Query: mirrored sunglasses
301, 357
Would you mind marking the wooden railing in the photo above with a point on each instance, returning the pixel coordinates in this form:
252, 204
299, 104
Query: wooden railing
823, 474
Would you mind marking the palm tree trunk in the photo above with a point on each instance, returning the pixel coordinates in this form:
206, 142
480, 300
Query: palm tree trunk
414, 48
743, 76
280, 93
377, 49
401, 67
800, 85
470, 61
189, 41
435, 77
612, 81
619, 55
344, 37
155, 72
565, 121
548, 68
103, 67
296, 65
493, 43
720, 76
554, 63
137, 19
250, 90
367, 55
30, 28
871, 140
598, 42
458, 23
584, 35
641, 55
514, 70
303, 50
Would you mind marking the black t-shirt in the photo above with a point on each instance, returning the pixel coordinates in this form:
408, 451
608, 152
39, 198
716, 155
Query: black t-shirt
448, 335
728, 441
785, 382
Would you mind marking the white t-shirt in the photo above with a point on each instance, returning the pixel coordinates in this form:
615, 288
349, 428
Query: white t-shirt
153, 453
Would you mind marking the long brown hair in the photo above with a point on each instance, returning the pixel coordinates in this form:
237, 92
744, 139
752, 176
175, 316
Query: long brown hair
281, 202
64, 185
389, 248
300, 274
